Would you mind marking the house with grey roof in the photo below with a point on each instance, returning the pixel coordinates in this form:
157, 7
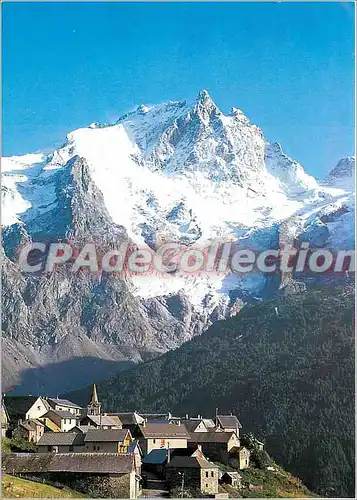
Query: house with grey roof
101, 422
112, 476
194, 425
59, 404
30, 430
193, 472
228, 423
61, 442
129, 420
233, 478
107, 440
153, 436
216, 445
42, 405
60, 420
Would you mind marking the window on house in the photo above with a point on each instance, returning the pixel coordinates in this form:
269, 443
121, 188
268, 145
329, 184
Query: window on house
206, 485
49, 448
246, 462
212, 474
154, 441
39, 408
206, 474
71, 448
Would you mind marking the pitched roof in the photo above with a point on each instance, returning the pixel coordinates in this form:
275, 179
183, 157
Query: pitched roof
68, 462
156, 457
102, 420
208, 422
191, 462
61, 413
107, 435
31, 424
63, 402
233, 475
229, 421
210, 437
133, 446
156, 416
61, 439
115, 419
129, 418
164, 430
191, 425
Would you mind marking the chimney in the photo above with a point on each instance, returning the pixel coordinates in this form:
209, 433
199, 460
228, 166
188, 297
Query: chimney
186, 416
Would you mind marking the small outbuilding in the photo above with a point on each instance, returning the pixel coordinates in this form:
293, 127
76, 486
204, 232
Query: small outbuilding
232, 478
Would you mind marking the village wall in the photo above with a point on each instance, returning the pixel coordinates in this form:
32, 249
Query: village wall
94, 485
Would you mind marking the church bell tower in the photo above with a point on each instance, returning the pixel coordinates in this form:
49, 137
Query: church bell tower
94, 406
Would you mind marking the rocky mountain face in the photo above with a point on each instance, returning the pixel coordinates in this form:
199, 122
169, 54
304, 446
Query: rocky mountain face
175, 172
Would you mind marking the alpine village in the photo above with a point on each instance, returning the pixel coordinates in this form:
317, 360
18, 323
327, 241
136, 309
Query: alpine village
85, 452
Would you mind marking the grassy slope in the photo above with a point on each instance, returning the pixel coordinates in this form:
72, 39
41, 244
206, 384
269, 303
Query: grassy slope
288, 376
276, 484
15, 487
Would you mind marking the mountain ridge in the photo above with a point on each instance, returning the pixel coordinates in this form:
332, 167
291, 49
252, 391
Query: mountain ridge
174, 172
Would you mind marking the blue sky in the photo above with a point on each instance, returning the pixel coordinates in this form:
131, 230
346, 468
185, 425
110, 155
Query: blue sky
288, 66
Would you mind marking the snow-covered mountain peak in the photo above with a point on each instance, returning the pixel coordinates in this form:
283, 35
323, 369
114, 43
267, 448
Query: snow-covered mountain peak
345, 169
291, 176
173, 172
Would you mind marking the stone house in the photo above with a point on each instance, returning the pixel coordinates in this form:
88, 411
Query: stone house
153, 436
228, 423
61, 442
193, 472
107, 440
60, 420
31, 430
239, 458
232, 478
216, 446
101, 422
113, 476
